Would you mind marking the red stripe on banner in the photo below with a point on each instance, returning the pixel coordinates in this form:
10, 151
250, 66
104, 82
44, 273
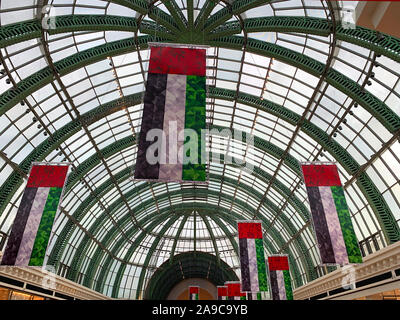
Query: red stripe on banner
194, 290
250, 230
320, 175
46, 176
278, 263
167, 60
233, 289
222, 291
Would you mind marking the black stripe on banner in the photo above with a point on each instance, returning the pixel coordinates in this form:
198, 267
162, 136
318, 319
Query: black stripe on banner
274, 285
17, 231
320, 226
153, 118
244, 264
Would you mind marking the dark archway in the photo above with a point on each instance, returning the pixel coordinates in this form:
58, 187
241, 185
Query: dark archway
184, 266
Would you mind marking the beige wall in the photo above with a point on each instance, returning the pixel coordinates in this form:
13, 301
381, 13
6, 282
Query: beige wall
383, 16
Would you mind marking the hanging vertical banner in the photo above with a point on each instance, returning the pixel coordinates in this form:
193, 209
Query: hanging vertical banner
279, 277
193, 293
334, 230
222, 292
32, 227
172, 136
252, 261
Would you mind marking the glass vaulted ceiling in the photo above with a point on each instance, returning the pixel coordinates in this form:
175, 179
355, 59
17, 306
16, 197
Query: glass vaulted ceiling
284, 71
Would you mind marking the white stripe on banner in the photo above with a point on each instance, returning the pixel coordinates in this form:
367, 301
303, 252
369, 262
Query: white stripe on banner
253, 268
333, 223
281, 285
174, 123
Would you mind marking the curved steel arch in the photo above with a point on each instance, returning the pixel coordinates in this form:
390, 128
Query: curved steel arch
381, 206
12, 183
101, 284
368, 188
172, 23
378, 204
378, 42
373, 105
119, 243
153, 247
160, 217
98, 223
235, 8
389, 119
211, 233
96, 257
306, 259
207, 207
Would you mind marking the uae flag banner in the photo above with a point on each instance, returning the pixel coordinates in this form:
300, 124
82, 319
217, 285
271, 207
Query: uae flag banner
32, 227
222, 292
193, 293
252, 261
334, 230
172, 139
279, 277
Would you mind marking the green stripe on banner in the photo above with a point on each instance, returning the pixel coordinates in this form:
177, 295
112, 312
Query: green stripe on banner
349, 236
258, 295
45, 226
288, 285
262, 273
195, 119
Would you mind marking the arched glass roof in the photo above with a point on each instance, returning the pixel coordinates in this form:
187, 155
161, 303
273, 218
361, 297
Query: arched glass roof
287, 72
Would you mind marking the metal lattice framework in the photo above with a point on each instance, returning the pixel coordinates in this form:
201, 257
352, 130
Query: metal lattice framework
187, 265
303, 85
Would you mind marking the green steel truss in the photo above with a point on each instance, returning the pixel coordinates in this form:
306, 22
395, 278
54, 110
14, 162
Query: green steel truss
380, 43
376, 107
